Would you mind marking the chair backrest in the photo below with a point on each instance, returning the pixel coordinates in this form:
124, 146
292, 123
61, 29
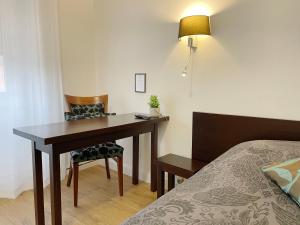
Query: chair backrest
76, 100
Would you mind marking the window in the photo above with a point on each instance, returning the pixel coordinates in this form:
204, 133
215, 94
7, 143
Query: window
2, 82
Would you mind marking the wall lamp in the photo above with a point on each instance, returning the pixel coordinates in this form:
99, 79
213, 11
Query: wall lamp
192, 26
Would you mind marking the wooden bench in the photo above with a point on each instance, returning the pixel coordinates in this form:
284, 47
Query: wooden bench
175, 165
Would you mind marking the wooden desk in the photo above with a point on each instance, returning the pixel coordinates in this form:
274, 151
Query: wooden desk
55, 139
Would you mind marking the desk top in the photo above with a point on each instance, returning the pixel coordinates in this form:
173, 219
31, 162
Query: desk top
56, 132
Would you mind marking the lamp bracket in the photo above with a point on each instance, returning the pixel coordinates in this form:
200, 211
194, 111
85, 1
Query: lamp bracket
192, 43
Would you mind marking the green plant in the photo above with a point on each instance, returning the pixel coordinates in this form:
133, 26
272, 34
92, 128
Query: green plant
154, 103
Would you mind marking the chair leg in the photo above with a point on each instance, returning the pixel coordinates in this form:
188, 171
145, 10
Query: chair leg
75, 180
107, 168
70, 175
120, 174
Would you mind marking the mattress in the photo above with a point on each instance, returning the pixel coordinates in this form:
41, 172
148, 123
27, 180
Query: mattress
231, 190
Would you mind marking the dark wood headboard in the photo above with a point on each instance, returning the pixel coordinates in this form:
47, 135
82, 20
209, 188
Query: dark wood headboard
214, 134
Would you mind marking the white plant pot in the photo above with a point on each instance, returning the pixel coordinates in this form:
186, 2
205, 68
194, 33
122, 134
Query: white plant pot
155, 112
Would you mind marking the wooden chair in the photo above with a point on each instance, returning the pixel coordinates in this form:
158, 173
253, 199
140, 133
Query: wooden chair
87, 108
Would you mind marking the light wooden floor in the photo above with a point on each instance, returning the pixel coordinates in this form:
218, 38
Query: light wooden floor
99, 201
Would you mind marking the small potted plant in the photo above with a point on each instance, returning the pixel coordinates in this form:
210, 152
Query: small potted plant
154, 106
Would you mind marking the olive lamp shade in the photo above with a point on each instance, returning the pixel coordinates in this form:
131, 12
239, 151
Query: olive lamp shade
194, 25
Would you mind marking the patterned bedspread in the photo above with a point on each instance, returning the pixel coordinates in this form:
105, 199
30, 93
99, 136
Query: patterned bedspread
231, 190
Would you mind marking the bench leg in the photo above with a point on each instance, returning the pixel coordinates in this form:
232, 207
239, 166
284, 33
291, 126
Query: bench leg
171, 181
160, 182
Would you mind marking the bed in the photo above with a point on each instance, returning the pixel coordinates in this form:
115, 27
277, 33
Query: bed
231, 189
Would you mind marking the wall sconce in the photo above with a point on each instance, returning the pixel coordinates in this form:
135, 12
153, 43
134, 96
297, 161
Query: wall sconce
192, 26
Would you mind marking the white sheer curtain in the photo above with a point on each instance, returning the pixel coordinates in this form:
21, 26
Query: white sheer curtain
29, 48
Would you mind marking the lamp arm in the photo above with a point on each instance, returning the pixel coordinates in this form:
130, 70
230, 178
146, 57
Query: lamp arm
189, 59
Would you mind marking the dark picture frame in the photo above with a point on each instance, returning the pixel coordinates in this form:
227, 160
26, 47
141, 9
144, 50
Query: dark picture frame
140, 82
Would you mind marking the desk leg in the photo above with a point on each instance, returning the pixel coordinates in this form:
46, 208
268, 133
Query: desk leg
160, 182
38, 185
154, 144
135, 160
55, 189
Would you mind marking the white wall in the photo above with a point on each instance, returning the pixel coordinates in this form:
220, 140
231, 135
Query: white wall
78, 46
249, 66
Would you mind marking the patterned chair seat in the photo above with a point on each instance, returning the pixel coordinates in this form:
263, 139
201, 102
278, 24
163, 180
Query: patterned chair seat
100, 151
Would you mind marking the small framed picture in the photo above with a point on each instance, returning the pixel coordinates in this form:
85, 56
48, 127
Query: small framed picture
140, 82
